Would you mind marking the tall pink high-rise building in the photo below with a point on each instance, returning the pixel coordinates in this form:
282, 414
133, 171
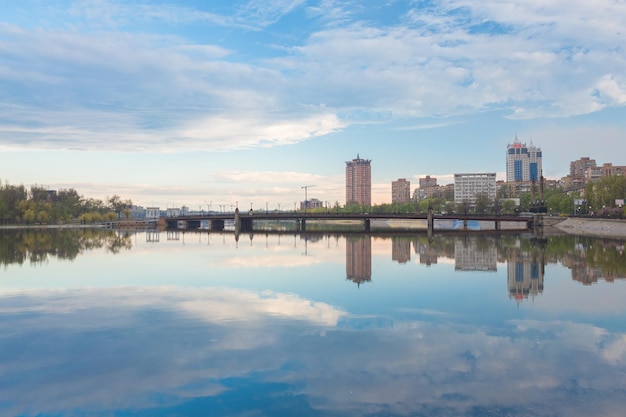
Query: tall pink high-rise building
359, 182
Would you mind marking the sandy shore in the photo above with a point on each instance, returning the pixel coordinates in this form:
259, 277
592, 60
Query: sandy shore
593, 227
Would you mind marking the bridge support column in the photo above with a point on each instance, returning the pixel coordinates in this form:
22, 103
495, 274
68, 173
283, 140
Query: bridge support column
431, 223
237, 221
464, 224
498, 225
366, 224
302, 225
538, 225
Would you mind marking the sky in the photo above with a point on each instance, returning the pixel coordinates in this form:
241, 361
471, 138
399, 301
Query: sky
211, 104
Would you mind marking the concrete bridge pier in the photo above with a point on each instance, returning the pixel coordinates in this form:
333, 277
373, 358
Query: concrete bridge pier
538, 225
430, 223
237, 221
366, 224
430, 220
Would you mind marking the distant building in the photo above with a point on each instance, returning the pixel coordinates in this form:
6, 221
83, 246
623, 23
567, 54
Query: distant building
153, 213
578, 168
467, 187
173, 212
137, 212
428, 186
311, 204
359, 182
523, 163
609, 170
401, 191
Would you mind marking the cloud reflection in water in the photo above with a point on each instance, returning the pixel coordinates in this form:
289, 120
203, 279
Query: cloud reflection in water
168, 350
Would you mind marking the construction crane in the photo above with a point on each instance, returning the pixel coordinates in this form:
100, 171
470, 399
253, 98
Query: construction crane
306, 200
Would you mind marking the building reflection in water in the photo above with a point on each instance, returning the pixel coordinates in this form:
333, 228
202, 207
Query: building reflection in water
400, 249
525, 272
427, 253
474, 254
593, 260
359, 259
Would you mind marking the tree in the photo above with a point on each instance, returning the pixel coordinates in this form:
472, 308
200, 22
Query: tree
38, 194
117, 205
508, 206
10, 198
482, 203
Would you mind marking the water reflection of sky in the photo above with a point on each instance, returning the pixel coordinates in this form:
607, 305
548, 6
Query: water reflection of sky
171, 329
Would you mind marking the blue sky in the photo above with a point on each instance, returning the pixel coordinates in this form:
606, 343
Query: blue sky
193, 103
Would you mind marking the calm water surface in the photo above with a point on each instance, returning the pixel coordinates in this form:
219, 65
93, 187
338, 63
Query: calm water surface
98, 323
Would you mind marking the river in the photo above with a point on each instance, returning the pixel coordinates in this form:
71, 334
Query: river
107, 323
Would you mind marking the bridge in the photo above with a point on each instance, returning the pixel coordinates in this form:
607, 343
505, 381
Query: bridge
244, 221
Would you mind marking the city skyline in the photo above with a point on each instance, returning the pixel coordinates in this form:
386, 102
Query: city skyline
175, 103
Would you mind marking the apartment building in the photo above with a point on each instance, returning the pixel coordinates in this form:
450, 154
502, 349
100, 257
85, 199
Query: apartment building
467, 187
359, 181
401, 191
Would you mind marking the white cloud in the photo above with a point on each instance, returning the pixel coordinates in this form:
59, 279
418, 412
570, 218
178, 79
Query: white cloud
217, 133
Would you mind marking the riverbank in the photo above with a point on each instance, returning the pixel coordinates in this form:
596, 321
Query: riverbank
603, 228
606, 228
54, 226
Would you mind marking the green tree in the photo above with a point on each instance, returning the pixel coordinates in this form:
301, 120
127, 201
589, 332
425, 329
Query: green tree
38, 194
10, 198
482, 203
117, 205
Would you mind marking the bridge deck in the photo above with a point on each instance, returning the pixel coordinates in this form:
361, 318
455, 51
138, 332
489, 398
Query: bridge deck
348, 216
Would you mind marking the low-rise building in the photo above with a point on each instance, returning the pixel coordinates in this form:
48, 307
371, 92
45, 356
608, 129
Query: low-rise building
173, 212
312, 203
153, 213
